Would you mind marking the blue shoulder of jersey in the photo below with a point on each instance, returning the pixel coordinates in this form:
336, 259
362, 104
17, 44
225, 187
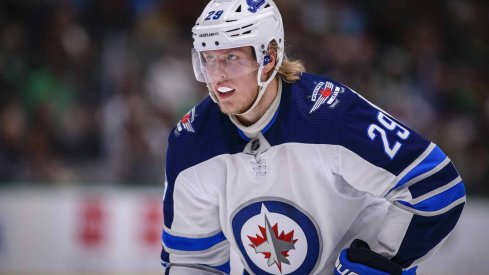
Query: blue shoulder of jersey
310, 111
319, 110
203, 133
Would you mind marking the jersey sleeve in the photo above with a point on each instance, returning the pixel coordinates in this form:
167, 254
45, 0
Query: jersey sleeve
380, 155
192, 239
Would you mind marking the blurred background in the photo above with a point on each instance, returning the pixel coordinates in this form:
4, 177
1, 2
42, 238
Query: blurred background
90, 89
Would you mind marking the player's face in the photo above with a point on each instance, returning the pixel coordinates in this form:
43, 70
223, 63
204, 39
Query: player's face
231, 75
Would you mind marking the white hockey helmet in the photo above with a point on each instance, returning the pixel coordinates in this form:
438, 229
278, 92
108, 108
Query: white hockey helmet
226, 24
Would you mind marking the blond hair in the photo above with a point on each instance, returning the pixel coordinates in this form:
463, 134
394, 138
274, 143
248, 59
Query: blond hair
290, 70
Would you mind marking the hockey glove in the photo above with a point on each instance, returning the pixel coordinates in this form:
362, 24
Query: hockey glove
360, 260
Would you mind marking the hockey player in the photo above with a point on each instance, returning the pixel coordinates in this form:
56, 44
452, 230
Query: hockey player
295, 172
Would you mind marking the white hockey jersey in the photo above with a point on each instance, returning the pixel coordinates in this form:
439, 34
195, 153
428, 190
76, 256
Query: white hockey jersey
328, 168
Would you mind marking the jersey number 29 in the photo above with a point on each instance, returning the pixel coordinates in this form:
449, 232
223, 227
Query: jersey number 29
387, 124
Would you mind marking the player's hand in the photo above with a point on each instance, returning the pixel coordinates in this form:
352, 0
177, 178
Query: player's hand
360, 260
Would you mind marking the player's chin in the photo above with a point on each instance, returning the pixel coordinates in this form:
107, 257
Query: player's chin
227, 108
230, 109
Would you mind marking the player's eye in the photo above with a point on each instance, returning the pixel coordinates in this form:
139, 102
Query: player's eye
210, 59
232, 57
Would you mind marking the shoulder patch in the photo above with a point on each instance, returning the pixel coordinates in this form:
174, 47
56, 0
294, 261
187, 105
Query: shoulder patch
325, 93
185, 124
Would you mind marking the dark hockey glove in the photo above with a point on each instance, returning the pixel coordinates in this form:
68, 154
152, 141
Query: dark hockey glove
360, 260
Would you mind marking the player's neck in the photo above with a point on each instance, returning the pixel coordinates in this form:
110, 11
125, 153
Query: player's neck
260, 109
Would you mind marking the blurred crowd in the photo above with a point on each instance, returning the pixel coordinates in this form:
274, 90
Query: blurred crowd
90, 89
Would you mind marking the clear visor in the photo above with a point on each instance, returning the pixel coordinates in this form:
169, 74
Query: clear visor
221, 65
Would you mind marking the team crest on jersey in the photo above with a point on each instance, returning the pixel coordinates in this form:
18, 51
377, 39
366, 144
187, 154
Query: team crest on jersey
254, 5
186, 123
276, 237
325, 93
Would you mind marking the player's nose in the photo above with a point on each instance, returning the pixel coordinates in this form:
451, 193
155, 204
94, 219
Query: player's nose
220, 73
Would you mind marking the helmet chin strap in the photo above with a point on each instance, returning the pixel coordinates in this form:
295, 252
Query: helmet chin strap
262, 86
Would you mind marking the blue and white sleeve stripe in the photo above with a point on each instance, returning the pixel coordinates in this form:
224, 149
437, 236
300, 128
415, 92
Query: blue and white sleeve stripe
431, 190
434, 181
431, 161
438, 201
429, 186
191, 244
211, 250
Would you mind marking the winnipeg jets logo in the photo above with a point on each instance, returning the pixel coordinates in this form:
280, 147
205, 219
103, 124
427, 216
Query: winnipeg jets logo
254, 5
275, 247
325, 93
276, 237
186, 122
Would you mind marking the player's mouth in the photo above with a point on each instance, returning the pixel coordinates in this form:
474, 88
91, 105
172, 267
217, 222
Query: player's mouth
224, 92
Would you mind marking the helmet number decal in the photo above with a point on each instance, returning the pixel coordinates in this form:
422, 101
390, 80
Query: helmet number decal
214, 15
